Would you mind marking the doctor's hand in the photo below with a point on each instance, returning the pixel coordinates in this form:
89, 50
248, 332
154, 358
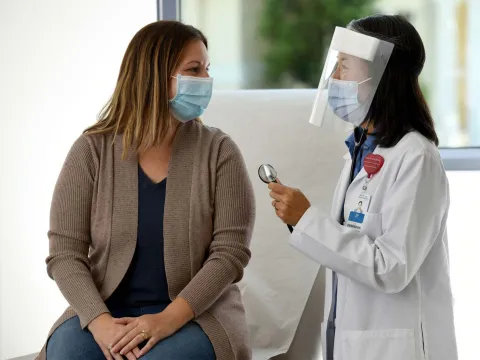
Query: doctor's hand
290, 204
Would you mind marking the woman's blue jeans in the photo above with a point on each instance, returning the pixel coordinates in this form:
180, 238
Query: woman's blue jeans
70, 342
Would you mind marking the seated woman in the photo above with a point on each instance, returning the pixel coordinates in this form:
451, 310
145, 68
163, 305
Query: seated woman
152, 216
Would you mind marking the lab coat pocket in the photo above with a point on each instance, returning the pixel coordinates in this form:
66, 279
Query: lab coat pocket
394, 344
372, 225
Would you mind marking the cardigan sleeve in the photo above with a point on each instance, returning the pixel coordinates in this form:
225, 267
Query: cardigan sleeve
234, 216
69, 233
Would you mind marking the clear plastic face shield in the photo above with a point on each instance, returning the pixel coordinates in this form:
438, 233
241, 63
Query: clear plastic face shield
353, 69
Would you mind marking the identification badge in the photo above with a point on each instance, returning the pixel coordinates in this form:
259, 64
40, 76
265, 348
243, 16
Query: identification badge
357, 216
355, 220
363, 203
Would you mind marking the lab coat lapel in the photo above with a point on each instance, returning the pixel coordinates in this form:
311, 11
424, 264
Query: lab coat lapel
343, 184
363, 174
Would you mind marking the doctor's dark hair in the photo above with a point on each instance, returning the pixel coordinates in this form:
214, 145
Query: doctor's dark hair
398, 106
139, 107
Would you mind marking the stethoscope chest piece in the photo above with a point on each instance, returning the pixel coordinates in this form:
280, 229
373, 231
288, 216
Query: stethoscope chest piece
267, 173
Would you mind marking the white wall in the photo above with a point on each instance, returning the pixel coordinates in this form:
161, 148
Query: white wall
59, 64
464, 246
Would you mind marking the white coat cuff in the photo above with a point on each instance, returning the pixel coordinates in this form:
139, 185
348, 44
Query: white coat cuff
310, 215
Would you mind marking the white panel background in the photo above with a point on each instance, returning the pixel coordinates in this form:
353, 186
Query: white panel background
272, 127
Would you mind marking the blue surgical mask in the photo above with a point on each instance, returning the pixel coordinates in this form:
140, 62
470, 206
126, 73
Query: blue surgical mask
343, 99
193, 96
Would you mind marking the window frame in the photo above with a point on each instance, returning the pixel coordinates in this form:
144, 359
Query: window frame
461, 158
454, 159
168, 10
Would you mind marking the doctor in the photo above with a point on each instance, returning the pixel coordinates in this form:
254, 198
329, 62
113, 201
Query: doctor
388, 293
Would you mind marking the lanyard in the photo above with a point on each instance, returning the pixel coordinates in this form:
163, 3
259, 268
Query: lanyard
356, 150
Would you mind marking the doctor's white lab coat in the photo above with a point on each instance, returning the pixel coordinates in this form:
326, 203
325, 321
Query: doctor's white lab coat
394, 297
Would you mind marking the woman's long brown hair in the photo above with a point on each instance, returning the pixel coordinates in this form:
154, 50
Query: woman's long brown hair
139, 107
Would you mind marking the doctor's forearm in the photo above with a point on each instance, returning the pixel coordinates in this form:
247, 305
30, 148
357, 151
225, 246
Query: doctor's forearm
349, 253
392, 281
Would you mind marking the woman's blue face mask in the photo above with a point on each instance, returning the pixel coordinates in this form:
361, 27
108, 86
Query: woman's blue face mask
343, 99
193, 97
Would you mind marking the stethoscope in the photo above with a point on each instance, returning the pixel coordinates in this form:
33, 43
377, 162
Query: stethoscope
268, 174
356, 150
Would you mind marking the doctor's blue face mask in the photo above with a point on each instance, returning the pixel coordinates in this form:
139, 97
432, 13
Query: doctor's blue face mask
343, 99
192, 98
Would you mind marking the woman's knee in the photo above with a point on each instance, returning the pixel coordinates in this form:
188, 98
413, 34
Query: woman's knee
69, 341
189, 343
